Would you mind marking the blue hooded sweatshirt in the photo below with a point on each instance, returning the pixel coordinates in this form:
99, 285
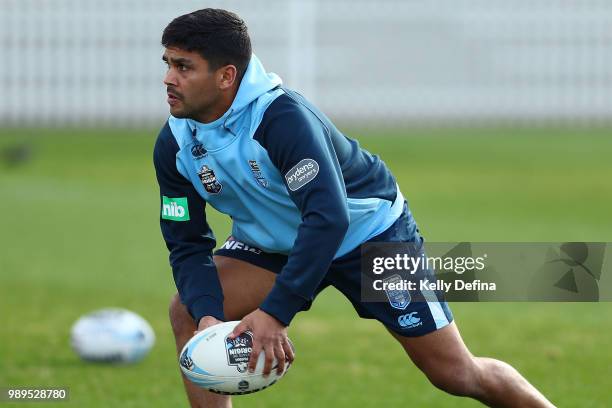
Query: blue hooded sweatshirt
291, 182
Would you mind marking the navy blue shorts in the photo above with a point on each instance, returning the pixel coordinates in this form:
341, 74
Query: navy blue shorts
407, 318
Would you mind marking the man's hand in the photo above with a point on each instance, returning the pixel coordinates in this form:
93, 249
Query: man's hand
206, 322
269, 336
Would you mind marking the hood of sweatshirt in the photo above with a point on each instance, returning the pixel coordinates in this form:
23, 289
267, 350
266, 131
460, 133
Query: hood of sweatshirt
246, 111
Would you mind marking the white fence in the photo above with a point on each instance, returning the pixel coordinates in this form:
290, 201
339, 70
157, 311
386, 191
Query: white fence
389, 61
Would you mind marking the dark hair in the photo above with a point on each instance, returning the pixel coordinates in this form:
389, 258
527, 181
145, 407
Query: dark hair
219, 36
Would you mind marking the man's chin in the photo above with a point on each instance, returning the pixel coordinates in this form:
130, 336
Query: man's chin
179, 113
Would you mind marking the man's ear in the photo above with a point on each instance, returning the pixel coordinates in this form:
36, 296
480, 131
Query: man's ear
226, 77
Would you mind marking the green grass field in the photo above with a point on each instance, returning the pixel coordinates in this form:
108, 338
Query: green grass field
80, 232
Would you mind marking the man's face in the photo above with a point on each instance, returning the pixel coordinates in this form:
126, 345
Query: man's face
191, 86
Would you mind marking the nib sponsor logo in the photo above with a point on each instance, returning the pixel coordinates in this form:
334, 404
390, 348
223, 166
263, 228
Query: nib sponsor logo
175, 209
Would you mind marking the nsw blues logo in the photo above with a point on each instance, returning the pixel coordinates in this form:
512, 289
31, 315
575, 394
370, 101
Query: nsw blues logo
209, 180
398, 299
258, 174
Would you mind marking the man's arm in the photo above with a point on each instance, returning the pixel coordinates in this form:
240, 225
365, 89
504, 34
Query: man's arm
299, 145
187, 234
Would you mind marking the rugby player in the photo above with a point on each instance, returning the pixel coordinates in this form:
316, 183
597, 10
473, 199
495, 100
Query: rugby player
302, 198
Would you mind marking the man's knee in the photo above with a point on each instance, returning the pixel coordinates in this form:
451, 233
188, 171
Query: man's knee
455, 376
181, 321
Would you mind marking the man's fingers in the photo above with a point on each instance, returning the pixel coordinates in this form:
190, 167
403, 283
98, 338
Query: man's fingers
238, 330
254, 356
269, 359
289, 354
279, 353
206, 322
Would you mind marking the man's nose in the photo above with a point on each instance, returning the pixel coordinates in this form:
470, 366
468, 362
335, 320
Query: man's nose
170, 78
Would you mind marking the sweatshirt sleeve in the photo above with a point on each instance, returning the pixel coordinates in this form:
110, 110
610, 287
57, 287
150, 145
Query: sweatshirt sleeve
187, 234
300, 147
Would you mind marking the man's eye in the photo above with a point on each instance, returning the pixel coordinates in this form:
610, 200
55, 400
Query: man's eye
182, 68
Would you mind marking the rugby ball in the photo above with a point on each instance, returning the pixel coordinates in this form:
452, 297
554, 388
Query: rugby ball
217, 363
112, 335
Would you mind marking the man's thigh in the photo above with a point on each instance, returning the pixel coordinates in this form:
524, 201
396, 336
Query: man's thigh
244, 285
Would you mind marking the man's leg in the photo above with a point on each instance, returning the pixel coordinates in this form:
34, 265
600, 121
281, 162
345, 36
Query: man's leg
244, 288
450, 366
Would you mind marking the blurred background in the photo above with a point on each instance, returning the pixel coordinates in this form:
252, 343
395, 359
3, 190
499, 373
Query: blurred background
387, 62
495, 116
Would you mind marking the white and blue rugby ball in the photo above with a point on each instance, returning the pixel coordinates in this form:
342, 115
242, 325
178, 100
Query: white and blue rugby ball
217, 363
112, 335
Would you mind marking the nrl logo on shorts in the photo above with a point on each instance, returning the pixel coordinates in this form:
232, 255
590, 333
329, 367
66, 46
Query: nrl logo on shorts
208, 178
258, 174
239, 350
